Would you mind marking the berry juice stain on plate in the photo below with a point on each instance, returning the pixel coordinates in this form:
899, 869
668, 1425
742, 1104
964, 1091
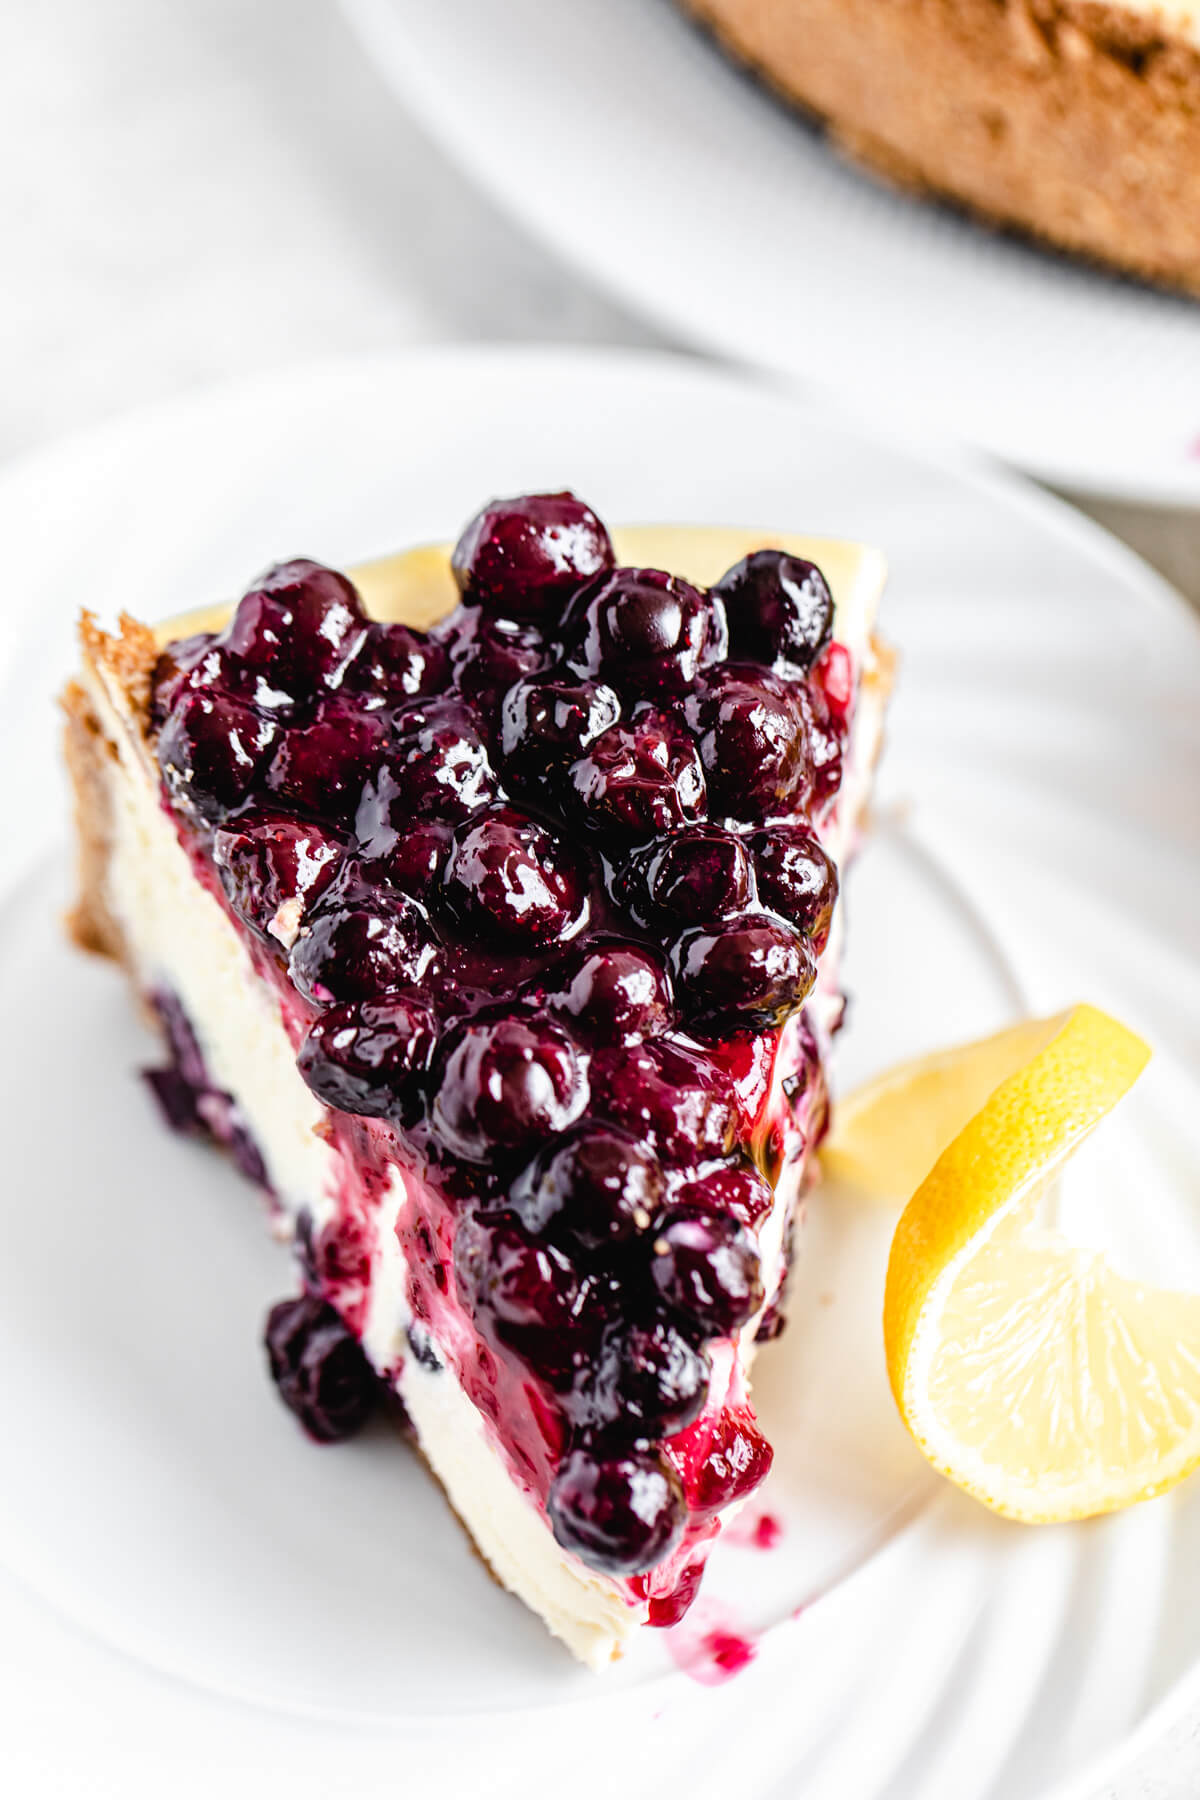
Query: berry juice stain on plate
709, 1647
754, 1531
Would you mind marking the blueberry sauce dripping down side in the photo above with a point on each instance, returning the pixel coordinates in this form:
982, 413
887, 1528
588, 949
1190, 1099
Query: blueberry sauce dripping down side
539, 890
189, 1100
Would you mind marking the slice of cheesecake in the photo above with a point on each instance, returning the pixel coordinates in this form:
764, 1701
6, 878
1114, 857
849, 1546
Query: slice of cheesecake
1075, 120
487, 906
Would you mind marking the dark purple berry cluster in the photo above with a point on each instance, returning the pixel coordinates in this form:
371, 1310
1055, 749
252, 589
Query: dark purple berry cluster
528, 873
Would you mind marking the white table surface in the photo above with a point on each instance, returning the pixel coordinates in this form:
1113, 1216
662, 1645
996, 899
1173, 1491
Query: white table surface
194, 190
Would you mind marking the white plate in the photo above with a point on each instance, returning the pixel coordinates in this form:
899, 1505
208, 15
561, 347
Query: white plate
623, 138
1036, 842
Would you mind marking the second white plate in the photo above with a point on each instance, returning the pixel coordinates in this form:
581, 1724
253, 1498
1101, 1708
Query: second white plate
622, 137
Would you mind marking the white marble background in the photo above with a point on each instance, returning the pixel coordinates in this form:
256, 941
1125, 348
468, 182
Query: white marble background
192, 190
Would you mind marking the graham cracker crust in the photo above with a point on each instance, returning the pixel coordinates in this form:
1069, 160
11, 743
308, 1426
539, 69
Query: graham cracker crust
124, 664
1074, 121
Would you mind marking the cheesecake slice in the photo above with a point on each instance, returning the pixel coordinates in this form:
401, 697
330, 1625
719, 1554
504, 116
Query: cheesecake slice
1075, 120
487, 905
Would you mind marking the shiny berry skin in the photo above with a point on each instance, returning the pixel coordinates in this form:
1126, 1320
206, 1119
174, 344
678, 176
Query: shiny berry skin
737, 1189
826, 747
619, 1514
645, 631
394, 662
596, 1186
438, 768
524, 558
178, 667
668, 1096
611, 991
547, 721
205, 664
797, 880
779, 608
507, 1084
507, 878
700, 875
527, 1295
361, 1056
753, 968
210, 750
298, 628
319, 1369
753, 743
273, 863
362, 947
646, 1381
488, 655
415, 862
640, 778
706, 1267
321, 767
737, 1461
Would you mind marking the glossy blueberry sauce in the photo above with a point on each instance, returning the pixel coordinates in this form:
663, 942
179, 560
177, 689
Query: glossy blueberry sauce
541, 893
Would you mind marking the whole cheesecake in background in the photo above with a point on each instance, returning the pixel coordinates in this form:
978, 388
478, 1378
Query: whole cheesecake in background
1075, 120
487, 905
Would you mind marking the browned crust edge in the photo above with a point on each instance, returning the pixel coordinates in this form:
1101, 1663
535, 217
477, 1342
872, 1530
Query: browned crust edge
125, 663
1075, 122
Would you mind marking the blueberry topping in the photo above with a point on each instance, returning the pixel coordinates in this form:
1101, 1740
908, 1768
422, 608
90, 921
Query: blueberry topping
176, 669
640, 778
269, 864
738, 1460
394, 662
671, 1096
506, 1084
706, 1268
362, 1055
780, 610
415, 861
753, 744
363, 948
320, 768
701, 875
487, 656
319, 1369
507, 877
619, 1514
525, 1293
298, 628
524, 558
645, 631
611, 992
597, 1186
438, 768
647, 1380
737, 1188
548, 721
797, 880
210, 750
753, 968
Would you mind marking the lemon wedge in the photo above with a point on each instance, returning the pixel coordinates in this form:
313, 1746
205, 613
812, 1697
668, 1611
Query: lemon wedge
1027, 1369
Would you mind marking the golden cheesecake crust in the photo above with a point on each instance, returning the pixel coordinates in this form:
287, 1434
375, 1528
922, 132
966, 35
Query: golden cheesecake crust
127, 660
1077, 121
